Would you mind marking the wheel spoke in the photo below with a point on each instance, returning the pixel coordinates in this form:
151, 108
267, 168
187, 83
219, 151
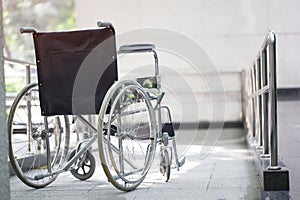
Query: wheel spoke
124, 152
27, 149
87, 167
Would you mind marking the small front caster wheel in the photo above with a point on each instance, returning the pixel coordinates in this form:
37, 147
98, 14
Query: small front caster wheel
165, 165
84, 167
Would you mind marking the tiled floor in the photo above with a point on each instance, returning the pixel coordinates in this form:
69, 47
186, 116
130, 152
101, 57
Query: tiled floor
218, 166
226, 172
289, 142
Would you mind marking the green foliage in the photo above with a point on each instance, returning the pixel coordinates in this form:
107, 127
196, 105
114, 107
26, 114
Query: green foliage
44, 15
14, 86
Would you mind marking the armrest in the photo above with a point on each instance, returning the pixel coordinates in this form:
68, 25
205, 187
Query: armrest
135, 48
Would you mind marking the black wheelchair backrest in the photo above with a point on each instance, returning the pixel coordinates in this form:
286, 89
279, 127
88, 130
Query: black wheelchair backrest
75, 69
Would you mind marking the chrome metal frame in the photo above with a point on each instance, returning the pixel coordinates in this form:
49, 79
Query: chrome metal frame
262, 117
88, 142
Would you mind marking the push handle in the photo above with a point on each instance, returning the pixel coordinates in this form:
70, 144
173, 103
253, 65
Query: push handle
104, 24
27, 30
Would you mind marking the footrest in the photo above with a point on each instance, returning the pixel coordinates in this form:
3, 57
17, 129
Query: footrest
181, 161
133, 48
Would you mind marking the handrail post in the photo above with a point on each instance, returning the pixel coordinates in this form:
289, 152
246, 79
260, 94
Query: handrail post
253, 101
28, 75
258, 102
264, 102
273, 102
243, 92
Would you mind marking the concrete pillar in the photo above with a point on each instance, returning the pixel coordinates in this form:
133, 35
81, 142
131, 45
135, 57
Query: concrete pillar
4, 173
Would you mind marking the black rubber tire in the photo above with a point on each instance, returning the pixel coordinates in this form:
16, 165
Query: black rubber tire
165, 165
135, 151
31, 164
87, 169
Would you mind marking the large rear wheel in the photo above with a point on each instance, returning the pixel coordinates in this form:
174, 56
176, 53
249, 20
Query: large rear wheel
127, 134
29, 135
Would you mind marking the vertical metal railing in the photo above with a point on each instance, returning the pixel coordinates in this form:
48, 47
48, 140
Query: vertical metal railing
262, 101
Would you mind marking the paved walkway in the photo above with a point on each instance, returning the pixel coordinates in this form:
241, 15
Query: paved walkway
289, 142
227, 172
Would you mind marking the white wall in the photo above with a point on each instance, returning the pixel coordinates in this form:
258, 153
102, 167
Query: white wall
230, 32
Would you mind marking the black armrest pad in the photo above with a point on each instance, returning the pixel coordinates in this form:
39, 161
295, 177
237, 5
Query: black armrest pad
128, 48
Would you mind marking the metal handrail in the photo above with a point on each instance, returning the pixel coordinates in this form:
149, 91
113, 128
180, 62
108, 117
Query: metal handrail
18, 61
263, 101
28, 65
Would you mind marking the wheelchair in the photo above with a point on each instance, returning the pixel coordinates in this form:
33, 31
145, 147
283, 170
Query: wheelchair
77, 76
